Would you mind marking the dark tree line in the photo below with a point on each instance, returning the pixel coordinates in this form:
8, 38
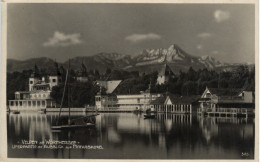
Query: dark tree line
76, 94
191, 82
185, 83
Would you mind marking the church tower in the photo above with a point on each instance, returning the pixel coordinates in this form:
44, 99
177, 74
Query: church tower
82, 74
34, 78
55, 76
165, 73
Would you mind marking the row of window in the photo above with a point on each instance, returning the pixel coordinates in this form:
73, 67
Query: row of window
53, 81
27, 103
39, 95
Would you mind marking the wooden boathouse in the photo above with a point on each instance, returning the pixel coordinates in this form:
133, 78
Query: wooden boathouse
176, 104
227, 102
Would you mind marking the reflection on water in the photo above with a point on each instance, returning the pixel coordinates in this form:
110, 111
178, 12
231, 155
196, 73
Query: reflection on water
129, 135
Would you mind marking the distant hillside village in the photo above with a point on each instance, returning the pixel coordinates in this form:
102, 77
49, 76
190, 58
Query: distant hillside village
119, 90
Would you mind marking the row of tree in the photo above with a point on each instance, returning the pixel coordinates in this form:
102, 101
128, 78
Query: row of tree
192, 82
186, 83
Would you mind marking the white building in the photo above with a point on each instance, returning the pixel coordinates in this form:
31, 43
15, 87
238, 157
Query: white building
127, 102
136, 101
38, 96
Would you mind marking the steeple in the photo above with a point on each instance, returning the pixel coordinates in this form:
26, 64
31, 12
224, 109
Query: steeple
56, 70
83, 70
35, 73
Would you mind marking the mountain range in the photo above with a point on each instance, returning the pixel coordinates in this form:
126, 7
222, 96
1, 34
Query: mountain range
147, 60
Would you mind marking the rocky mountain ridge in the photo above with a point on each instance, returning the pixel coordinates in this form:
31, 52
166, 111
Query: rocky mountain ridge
146, 61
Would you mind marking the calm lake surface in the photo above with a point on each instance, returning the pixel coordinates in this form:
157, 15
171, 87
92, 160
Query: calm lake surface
130, 136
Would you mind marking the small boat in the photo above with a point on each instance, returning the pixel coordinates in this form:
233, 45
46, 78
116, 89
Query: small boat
42, 111
149, 116
70, 126
137, 111
16, 112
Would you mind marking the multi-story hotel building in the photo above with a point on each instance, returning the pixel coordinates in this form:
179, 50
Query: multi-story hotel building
38, 96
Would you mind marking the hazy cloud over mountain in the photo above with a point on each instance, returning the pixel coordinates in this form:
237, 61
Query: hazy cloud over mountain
135, 38
61, 39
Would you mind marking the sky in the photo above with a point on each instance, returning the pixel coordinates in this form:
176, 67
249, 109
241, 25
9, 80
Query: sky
61, 31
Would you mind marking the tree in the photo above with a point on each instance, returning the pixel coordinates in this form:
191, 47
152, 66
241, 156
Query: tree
108, 71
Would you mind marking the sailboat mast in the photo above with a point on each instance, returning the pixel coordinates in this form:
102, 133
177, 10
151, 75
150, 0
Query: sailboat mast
69, 91
63, 96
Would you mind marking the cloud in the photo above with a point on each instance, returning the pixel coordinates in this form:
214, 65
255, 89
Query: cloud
204, 35
60, 39
199, 46
135, 38
221, 16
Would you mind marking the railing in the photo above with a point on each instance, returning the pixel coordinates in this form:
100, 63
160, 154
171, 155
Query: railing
231, 110
226, 110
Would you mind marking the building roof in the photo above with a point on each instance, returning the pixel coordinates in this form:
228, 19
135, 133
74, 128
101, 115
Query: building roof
188, 99
183, 99
225, 91
166, 70
159, 101
109, 85
175, 99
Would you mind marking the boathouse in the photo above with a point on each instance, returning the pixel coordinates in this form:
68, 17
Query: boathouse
228, 102
176, 104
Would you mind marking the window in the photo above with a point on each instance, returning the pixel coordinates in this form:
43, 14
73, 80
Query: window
53, 80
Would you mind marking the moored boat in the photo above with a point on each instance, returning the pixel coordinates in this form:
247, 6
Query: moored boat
149, 116
16, 112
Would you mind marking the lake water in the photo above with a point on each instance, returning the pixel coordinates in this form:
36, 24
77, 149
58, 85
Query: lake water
130, 136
